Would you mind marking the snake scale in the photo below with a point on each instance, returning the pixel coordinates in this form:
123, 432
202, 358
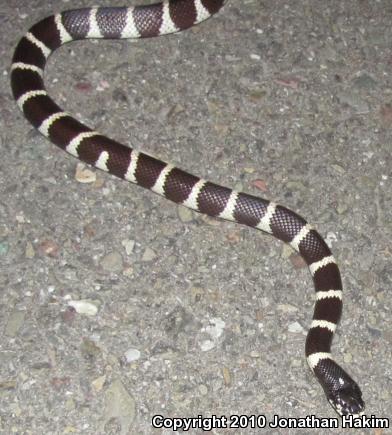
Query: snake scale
173, 183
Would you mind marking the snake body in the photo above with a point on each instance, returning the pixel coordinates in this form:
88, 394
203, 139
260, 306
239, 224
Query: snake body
173, 183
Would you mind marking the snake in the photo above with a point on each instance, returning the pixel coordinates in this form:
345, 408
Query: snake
173, 183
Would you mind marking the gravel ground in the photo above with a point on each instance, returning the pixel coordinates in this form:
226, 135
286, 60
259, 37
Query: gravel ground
117, 305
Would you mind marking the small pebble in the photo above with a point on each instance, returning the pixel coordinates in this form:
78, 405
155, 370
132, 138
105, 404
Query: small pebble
207, 345
149, 255
128, 271
287, 308
49, 248
98, 383
185, 214
342, 208
348, 358
338, 168
197, 293
89, 349
20, 218
331, 238
249, 170
120, 405
84, 175
203, 390
215, 328
260, 185
15, 322
226, 376
70, 405
296, 328
128, 245
84, 307
112, 262
4, 247
132, 355
29, 251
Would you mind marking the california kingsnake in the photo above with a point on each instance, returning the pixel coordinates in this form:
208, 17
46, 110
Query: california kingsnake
183, 188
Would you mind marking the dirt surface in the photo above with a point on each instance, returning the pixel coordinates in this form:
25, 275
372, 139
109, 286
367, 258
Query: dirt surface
117, 305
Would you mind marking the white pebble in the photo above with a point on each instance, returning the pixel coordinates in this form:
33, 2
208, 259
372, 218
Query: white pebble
132, 355
84, 307
215, 328
207, 345
331, 238
296, 328
128, 245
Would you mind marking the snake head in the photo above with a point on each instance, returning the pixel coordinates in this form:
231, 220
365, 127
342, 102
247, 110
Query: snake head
347, 400
341, 390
